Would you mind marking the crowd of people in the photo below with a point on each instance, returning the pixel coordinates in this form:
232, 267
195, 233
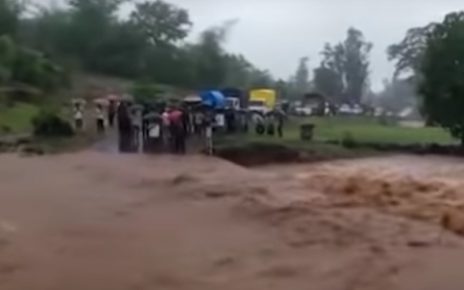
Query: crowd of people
149, 127
167, 128
158, 128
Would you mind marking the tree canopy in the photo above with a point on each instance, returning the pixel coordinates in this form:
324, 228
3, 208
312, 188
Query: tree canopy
302, 77
9, 16
24, 71
327, 82
150, 45
160, 23
442, 74
344, 71
408, 53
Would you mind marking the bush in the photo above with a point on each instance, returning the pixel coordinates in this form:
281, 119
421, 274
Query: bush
50, 124
348, 140
146, 92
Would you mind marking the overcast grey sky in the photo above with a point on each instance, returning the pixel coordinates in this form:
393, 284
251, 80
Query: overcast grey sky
274, 34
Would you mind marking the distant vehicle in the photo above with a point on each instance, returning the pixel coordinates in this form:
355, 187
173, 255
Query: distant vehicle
346, 109
262, 101
238, 99
257, 106
303, 111
406, 112
233, 103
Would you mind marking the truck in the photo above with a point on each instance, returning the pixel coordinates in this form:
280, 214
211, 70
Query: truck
262, 101
234, 98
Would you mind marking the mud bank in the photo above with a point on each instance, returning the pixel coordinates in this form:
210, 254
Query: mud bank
256, 154
419, 149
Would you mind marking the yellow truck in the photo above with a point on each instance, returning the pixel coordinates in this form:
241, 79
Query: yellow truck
263, 100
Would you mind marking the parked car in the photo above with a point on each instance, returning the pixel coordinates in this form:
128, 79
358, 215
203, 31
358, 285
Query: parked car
303, 111
354, 110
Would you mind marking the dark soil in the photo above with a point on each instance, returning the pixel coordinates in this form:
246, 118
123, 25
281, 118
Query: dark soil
422, 149
256, 154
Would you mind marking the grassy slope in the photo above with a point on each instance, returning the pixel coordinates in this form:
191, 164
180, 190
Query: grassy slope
368, 130
360, 129
18, 118
337, 128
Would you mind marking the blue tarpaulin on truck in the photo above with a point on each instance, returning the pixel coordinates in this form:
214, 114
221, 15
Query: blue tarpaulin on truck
214, 99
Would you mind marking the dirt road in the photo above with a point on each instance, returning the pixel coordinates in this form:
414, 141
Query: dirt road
99, 221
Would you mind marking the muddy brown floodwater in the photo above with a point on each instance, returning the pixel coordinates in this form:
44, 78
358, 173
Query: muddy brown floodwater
99, 221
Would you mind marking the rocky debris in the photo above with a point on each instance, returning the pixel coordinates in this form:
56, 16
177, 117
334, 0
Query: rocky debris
10, 143
31, 150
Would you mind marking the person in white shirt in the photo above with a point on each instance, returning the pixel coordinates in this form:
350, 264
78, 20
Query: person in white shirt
78, 116
100, 118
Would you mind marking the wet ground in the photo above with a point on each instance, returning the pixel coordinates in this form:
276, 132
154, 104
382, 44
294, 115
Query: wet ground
100, 221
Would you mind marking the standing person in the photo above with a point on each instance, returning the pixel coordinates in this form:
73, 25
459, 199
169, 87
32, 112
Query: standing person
136, 115
100, 118
185, 121
219, 120
78, 114
152, 132
166, 128
244, 121
177, 131
124, 128
280, 116
259, 122
270, 126
208, 132
230, 120
111, 112
198, 122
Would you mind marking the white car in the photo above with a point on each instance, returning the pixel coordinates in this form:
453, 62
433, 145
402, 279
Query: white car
303, 111
346, 109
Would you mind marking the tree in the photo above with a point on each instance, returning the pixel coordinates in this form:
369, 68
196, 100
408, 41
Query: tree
90, 22
211, 67
9, 16
146, 92
48, 30
161, 23
334, 59
397, 95
356, 67
31, 67
261, 79
89, 36
442, 75
283, 89
409, 52
239, 71
327, 82
348, 63
7, 58
25, 72
302, 77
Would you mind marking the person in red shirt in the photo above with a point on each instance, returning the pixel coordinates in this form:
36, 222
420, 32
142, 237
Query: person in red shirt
177, 130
